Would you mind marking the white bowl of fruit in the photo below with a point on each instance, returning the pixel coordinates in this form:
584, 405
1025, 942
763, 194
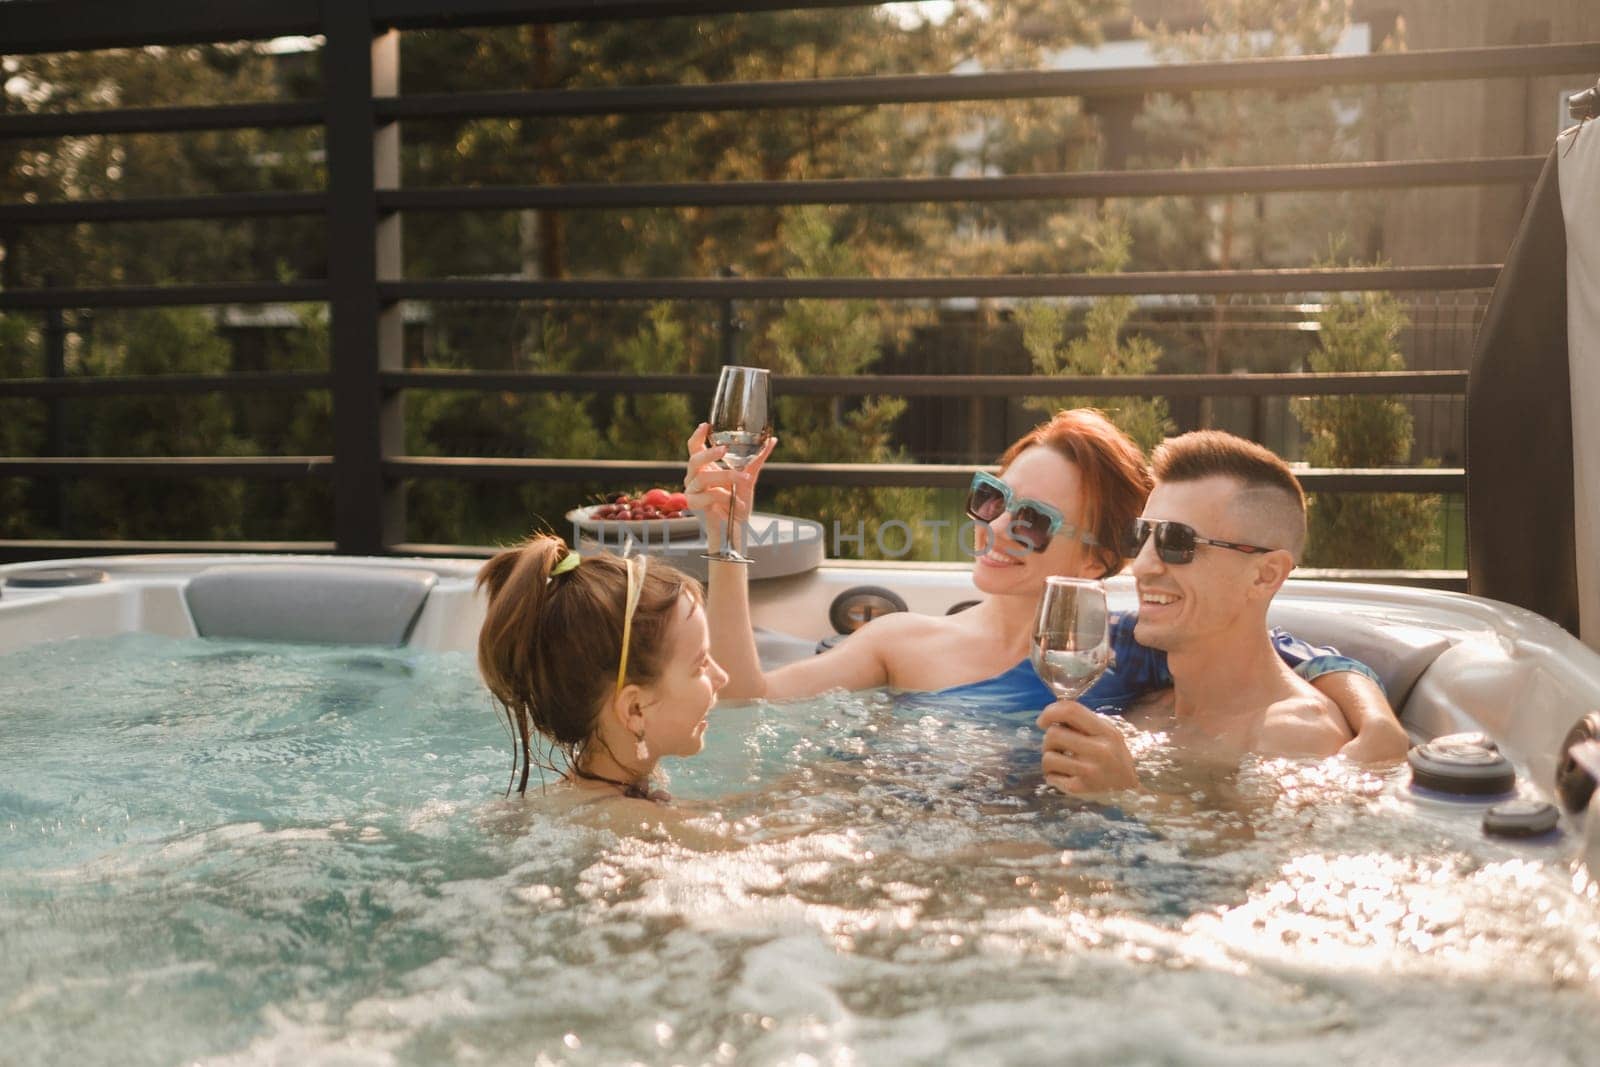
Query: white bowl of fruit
654, 513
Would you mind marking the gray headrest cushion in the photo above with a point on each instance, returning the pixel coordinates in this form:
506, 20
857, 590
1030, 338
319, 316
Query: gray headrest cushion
339, 604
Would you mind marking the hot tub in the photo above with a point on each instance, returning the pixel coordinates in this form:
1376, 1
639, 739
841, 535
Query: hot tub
1449, 661
222, 844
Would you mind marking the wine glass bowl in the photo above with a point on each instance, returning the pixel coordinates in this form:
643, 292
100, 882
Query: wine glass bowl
1072, 638
741, 422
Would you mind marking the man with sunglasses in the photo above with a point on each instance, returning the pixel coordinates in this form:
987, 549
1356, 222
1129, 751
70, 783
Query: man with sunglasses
1221, 530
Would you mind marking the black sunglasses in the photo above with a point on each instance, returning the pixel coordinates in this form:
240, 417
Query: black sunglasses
1175, 541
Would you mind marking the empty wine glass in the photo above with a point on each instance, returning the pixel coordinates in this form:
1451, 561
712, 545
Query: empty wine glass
741, 422
1072, 639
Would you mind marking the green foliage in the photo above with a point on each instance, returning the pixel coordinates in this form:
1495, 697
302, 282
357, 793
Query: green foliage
835, 337
157, 341
653, 426
481, 424
1101, 350
817, 337
294, 425
1015, 137
22, 426
114, 166
1382, 530
856, 240
1252, 128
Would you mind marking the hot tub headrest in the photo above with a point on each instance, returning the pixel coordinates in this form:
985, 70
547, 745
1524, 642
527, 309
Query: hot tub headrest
333, 603
1397, 651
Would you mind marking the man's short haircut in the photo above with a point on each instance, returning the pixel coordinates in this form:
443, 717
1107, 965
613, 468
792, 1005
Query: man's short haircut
1270, 494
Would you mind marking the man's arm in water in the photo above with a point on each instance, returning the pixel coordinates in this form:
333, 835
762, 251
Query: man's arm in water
1379, 736
1084, 752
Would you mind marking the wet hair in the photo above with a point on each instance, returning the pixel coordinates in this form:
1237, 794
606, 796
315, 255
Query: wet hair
1111, 468
549, 646
1270, 495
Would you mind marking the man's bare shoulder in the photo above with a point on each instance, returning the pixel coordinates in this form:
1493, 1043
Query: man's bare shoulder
1305, 724
1152, 710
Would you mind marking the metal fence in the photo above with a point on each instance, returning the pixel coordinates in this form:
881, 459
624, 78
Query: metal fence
360, 111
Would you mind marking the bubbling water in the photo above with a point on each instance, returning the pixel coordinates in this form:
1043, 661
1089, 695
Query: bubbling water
239, 854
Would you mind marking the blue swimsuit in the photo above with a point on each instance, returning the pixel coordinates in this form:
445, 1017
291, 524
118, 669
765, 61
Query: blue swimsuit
1137, 670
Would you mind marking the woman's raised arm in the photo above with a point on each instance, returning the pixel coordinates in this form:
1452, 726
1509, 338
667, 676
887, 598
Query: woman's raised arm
855, 664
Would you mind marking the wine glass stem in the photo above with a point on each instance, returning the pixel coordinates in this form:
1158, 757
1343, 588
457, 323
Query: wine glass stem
727, 528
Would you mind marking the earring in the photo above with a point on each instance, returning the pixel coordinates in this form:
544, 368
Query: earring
641, 751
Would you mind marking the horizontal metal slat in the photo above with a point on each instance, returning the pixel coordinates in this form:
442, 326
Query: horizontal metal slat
1418, 383
1385, 480
80, 25
129, 296
263, 116
915, 475
1011, 285
418, 14
165, 384
1276, 74
23, 551
146, 209
1455, 580
265, 467
435, 550
1095, 185
1217, 181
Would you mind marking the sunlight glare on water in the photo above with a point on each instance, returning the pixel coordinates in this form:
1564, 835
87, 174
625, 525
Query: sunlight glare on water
231, 853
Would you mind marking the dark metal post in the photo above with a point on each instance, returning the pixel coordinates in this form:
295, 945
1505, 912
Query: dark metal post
727, 327
55, 366
363, 249
1385, 26
1116, 115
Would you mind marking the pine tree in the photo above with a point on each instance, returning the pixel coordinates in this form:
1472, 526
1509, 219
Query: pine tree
1101, 350
1378, 530
836, 337
506, 424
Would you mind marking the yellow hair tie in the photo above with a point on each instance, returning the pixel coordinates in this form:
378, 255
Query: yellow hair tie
636, 565
568, 562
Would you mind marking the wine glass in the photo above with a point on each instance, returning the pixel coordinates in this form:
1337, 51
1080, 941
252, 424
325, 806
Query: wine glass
741, 422
1072, 639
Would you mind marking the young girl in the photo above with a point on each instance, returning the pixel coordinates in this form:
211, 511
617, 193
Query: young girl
609, 660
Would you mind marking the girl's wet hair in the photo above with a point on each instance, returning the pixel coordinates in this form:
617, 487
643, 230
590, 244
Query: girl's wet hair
1111, 468
549, 646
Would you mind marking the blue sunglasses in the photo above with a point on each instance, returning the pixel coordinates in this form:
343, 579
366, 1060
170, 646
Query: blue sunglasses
1033, 522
